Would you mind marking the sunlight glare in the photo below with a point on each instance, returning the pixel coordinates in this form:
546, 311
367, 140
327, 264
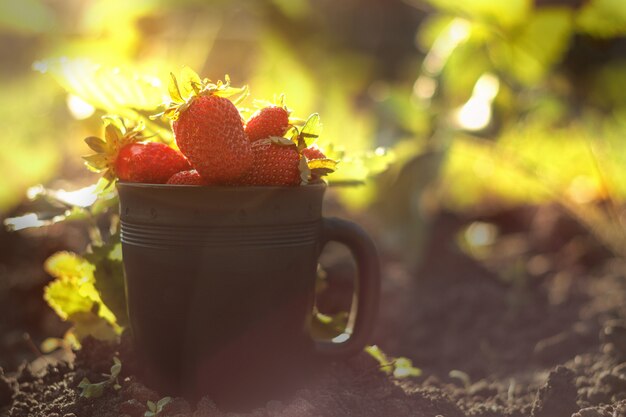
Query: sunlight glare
79, 108
486, 87
84, 197
343, 337
583, 190
23, 222
476, 113
457, 32
481, 234
425, 87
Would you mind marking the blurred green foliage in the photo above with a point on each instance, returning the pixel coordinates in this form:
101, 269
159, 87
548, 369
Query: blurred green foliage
456, 103
550, 109
465, 104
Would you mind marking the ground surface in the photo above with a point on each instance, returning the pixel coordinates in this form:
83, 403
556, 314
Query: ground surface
534, 325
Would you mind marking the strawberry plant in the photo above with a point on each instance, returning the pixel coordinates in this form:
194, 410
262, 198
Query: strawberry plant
94, 390
154, 409
124, 154
397, 367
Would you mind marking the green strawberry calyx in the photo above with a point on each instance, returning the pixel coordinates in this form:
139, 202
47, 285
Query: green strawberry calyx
280, 102
311, 169
116, 136
189, 86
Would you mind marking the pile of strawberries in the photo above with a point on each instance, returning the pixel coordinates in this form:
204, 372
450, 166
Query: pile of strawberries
216, 146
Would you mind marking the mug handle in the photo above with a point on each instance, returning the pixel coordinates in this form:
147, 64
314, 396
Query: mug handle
367, 287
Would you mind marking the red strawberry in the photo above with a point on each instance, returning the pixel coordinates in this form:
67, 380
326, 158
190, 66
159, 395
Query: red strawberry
122, 156
208, 128
267, 122
312, 153
274, 164
318, 163
190, 177
149, 162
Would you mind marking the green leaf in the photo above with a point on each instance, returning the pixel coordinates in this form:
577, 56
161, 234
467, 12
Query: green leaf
107, 199
328, 326
540, 44
105, 87
109, 277
398, 367
506, 14
404, 368
152, 406
312, 127
69, 265
96, 162
74, 297
174, 89
51, 344
603, 18
88, 323
359, 166
124, 91
190, 83
116, 368
163, 402
96, 144
322, 166
461, 376
112, 133
90, 390
376, 353
116, 121
28, 17
63, 296
96, 390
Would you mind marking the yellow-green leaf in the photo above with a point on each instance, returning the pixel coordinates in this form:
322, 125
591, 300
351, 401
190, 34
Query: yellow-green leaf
326, 165
324, 326
188, 79
382, 359
65, 300
116, 121
174, 89
505, 14
113, 89
404, 368
312, 127
87, 323
530, 53
112, 133
69, 265
96, 162
96, 144
603, 18
125, 91
73, 292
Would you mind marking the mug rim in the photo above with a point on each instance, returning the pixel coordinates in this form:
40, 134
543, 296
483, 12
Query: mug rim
219, 187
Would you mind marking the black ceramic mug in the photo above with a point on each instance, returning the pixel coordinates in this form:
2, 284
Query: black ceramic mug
221, 284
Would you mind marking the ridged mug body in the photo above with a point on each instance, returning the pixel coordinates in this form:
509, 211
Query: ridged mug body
220, 281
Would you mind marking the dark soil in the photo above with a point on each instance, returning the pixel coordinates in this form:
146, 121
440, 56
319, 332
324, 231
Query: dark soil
532, 325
